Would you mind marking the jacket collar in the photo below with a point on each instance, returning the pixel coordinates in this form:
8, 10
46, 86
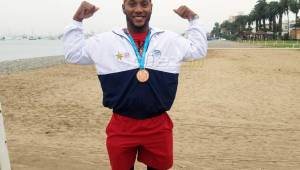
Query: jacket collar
120, 31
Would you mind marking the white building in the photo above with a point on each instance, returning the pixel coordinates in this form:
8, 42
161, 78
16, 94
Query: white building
285, 28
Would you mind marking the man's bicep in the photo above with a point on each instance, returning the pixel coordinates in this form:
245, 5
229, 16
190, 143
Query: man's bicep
195, 47
195, 51
76, 47
195, 37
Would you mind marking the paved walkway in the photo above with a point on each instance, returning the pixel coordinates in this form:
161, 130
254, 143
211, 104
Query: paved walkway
229, 44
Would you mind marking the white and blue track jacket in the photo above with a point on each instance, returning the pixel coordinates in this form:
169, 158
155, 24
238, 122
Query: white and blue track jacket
117, 65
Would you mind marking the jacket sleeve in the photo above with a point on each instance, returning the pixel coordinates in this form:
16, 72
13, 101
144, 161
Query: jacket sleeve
76, 47
194, 42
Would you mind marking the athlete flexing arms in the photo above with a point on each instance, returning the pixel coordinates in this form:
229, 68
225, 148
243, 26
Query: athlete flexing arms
138, 68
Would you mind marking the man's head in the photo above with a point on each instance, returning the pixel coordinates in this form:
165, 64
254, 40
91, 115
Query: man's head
138, 13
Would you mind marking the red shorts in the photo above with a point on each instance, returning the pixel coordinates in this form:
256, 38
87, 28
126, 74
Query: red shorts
151, 140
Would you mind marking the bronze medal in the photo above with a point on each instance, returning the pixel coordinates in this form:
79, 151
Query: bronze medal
142, 75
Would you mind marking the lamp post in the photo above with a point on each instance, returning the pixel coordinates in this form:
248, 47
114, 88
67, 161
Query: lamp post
4, 157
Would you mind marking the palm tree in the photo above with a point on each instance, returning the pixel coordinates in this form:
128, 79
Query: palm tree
241, 22
270, 17
255, 18
295, 7
285, 5
216, 30
274, 9
261, 8
250, 20
279, 11
226, 27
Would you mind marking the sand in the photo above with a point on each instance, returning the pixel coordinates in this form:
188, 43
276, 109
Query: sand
237, 109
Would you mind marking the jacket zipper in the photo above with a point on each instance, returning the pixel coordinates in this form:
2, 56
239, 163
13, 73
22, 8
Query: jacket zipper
132, 45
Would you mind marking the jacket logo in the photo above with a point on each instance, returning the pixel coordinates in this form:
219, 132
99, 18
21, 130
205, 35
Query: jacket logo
120, 56
156, 53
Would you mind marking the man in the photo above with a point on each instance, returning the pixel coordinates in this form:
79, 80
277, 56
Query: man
138, 69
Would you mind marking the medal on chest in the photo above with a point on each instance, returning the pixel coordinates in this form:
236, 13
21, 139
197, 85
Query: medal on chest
142, 74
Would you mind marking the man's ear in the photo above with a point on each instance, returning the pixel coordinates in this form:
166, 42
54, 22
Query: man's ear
123, 8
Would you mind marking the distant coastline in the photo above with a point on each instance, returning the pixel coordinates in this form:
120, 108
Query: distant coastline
8, 67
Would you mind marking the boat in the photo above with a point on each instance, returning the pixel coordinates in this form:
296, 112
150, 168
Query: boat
32, 38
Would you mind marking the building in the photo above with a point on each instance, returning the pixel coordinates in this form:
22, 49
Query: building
285, 28
295, 33
233, 18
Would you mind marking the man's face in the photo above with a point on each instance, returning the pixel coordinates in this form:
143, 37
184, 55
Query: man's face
138, 12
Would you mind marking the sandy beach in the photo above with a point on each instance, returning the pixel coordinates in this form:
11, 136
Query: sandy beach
235, 110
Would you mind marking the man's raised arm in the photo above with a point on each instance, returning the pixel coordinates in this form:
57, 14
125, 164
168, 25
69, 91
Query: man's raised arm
196, 42
76, 48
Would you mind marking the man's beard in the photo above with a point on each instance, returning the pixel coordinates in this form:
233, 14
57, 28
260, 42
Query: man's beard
136, 27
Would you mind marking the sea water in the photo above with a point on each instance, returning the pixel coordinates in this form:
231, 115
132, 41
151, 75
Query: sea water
22, 49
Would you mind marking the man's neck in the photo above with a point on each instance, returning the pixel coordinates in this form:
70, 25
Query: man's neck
135, 30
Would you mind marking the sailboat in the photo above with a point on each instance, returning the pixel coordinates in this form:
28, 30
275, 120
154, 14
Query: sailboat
32, 38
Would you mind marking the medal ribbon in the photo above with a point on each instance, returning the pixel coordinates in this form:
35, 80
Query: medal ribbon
141, 59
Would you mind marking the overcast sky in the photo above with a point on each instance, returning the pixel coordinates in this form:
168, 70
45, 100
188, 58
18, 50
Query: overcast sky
51, 16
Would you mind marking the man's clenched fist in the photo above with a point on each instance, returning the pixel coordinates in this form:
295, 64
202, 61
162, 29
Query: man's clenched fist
85, 10
184, 12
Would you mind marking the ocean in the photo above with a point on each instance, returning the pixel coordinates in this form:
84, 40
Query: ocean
22, 49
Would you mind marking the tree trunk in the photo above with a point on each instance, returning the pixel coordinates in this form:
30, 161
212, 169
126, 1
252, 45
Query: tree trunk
296, 25
288, 34
264, 24
274, 28
280, 25
270, 24
296, 18
259, 22
256, 25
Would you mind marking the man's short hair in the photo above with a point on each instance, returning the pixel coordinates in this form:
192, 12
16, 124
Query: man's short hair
125, 0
